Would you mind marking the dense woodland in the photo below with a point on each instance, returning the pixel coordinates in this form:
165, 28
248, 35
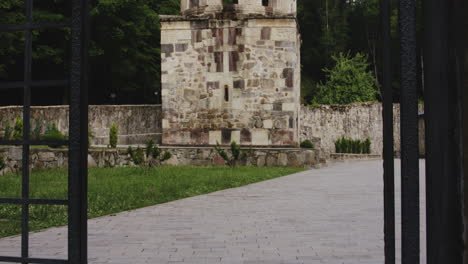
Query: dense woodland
125, 54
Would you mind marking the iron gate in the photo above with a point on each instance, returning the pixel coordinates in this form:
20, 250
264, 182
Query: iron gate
443, 46
444, 64
78, 134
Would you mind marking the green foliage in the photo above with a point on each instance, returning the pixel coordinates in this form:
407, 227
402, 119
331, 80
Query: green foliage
355, 146
8, 133
166, 156
348, 82
307, 144
37, 131
2, 163
113, 135
153, 150
18, 129
367, 146
52, 133
125, 35
237, 154
137, 156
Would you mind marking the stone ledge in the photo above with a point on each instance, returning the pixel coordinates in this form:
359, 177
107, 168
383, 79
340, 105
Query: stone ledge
349, 156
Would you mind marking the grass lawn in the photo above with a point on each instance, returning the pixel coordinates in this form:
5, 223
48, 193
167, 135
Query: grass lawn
113, 190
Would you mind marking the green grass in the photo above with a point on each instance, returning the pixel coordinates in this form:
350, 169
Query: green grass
113, 190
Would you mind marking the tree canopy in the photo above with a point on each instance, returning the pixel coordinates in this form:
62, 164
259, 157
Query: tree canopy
349, 81
125, 52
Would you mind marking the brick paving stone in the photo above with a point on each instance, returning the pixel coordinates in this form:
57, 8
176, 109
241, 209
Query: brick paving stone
330, 215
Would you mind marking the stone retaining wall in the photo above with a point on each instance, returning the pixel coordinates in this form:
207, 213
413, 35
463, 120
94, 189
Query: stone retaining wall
190, 156
322, 124
136, 123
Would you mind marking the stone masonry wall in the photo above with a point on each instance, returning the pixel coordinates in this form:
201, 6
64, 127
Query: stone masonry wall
41, 158
322, 124
327, 123
136, 123
230, 80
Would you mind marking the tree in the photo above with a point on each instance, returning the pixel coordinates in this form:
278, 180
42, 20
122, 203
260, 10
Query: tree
348, 82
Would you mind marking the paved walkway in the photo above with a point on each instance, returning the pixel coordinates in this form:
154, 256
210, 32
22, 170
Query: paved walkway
332, 215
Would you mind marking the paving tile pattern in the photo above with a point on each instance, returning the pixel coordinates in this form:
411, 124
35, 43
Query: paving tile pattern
332, 215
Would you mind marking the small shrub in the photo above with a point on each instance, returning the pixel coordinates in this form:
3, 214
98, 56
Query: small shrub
2, 163
52, 133
307, 144
7, 133
137, 156
237, 154
355, 146
166, 156
113, 136
367, 146
37, 132
338, 148
18, 129
152, 149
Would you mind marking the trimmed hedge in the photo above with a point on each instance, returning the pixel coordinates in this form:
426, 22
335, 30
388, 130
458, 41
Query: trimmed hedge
355, 146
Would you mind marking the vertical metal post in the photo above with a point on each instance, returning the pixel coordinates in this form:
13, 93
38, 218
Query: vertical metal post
78, 142
443, 111
26, 131
409, 135
388, 155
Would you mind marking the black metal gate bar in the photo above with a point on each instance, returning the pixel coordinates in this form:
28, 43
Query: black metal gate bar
410, 236
388, 155
444, 67
26, 132
78, 156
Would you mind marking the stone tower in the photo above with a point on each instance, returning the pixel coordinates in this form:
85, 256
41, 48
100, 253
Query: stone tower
231, 72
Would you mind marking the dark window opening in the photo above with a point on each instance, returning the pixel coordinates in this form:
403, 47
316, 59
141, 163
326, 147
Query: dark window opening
265, 2
226, 93
193, 3
231, 2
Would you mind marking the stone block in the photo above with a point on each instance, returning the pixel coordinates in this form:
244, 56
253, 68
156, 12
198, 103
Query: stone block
15, 154
268, 123
46, 156
271, 161
236, 136
214, 137
282, 159
260, 137
289, 107
165, 123
261, 161
267, 107
246, 137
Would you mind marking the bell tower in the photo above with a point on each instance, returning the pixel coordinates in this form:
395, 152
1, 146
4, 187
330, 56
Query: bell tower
231, 72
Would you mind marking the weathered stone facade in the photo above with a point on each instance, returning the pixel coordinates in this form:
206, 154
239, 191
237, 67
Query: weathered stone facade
231, 73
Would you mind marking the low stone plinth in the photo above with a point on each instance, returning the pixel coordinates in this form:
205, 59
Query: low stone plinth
348, 156
186, 156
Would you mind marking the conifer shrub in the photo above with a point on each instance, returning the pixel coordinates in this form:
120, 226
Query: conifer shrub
307, 144
113, 136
